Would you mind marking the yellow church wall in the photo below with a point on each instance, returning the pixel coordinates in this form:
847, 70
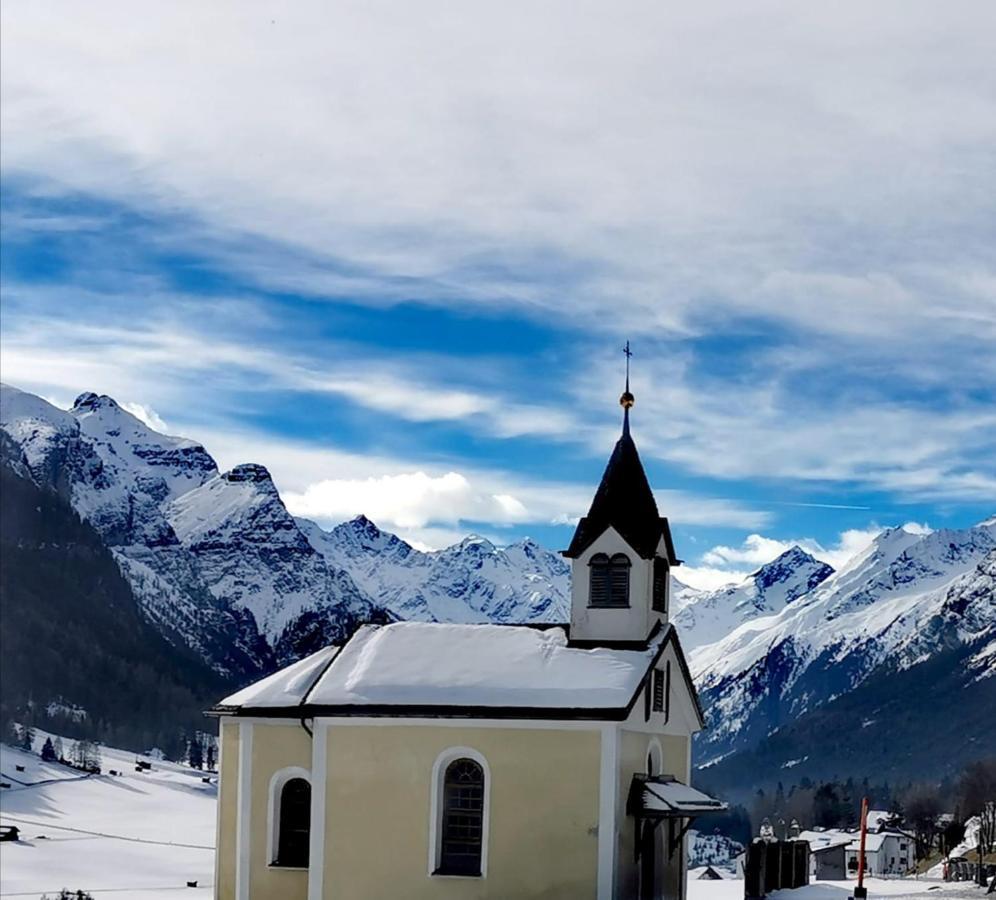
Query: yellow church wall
228, 766
543, 819
274, 747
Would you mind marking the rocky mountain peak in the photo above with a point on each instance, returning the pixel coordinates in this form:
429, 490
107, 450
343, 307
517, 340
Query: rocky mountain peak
89, 401
251, 473
793, 562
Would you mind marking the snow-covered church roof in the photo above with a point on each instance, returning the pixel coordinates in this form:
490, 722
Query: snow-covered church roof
419, 668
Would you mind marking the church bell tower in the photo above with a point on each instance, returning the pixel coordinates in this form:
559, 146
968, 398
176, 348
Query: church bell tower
621, 553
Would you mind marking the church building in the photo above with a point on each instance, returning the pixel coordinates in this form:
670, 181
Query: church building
428, 760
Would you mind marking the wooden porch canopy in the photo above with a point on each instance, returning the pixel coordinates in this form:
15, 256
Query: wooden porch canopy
662, 798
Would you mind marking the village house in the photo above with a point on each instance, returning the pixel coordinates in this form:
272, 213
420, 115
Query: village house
888, 849
425, 760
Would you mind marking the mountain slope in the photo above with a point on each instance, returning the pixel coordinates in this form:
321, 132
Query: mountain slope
252, 555
705, 617
910, 718
243, 588
473, 581
878, 609
73, 637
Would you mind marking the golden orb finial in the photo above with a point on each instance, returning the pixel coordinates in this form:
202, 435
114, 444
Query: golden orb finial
627, 400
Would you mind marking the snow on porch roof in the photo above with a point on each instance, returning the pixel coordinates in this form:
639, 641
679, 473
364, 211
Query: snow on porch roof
438, 667
672, 798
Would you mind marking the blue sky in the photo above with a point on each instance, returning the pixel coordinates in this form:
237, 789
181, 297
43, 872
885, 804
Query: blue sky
395, 257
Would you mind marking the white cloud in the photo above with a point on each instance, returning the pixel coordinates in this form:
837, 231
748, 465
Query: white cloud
722, 564
405, 501
708, 578
678, 164
147, 415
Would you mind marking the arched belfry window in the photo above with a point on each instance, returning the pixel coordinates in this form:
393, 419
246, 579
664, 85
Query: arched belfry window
609, 586
293, 823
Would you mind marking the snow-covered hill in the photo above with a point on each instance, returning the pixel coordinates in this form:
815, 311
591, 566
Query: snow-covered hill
704, 617
141, 835
898, 602
472, 581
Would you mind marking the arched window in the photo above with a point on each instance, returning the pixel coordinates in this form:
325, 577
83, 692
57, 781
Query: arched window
460, 811
293, 824
462, 832
609, 585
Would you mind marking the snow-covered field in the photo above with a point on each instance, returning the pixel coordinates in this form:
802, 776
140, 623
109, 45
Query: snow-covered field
893, 889
145, 835
136, 835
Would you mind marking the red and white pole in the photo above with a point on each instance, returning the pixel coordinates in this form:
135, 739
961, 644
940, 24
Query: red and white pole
860, 893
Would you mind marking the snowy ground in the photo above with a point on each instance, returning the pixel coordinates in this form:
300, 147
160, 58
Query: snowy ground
136, 835
892, 889
143, 836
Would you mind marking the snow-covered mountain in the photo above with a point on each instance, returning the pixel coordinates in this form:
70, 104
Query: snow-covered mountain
218, 564
906, 597
704, 617
251, 554
215, 561
472, 581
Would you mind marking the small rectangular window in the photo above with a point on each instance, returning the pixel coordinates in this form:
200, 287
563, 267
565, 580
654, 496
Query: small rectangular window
658, 690
667, 691
659, 598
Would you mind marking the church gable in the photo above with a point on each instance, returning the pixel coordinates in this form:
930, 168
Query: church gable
668, 702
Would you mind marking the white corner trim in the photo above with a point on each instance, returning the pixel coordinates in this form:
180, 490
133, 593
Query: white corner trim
217, 825
656, 754
608, 796
277, 782
436, 811
319, 797
243, 826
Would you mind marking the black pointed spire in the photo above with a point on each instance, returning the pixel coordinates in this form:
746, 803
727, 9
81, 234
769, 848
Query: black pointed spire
624, 499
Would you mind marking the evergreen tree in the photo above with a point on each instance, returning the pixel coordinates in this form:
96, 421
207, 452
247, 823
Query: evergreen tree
59, 752
28, 738
12, 734
195, 753
48, 751
211, 754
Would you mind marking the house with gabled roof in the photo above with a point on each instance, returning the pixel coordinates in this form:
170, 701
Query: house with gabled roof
430, 760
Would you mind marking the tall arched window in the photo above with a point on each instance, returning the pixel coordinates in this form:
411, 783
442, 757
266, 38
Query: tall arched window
609, 585
462, 826
293, 824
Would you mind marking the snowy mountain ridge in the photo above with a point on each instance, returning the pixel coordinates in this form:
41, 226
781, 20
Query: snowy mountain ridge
704, 617
219, 564
472, 581
895, 604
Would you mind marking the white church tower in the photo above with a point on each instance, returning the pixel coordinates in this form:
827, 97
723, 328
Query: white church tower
621, 553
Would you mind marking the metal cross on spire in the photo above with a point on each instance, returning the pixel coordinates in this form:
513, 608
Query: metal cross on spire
627, 399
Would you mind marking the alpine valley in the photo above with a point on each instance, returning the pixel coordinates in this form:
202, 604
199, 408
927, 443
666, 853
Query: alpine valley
156, 557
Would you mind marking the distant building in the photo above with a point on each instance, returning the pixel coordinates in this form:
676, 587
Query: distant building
425, 760
888, 851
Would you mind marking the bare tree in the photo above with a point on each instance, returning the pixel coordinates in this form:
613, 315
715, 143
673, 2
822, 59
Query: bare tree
922, 803
977, 794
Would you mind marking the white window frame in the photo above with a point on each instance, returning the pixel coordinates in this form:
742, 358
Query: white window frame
451, 754
277, 783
